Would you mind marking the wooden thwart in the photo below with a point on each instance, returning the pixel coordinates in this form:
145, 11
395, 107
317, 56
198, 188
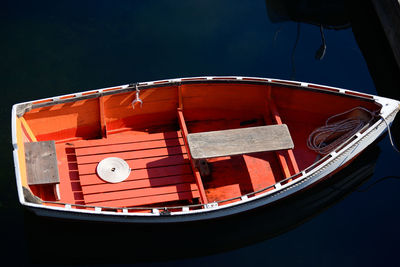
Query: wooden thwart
284, 157
239, 141
196, 173
41, 163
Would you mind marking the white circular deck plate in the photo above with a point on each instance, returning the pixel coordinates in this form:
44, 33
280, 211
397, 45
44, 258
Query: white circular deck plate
113, 170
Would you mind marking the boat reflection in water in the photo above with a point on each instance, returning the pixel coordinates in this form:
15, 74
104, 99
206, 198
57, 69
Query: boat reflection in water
90, 242
331, 14
326, 14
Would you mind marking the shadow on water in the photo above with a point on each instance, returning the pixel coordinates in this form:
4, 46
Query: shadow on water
67, 242
378, 55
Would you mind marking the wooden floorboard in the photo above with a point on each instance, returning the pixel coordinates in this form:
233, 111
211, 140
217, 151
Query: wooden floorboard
91, 179
149, 200
145, 163
134, 154
70, 188
160, 170
128, 147
141, 192
122, 140
144, 183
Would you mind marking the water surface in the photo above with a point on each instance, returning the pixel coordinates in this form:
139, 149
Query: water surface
51, 48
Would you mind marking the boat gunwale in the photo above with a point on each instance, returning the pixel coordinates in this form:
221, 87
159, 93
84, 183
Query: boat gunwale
387, 105
95, 93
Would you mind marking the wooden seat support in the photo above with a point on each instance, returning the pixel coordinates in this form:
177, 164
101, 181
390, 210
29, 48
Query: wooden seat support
283, 156
184, 131
196, 172
103, 125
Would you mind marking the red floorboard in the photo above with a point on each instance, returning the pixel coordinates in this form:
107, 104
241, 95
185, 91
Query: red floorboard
160, 170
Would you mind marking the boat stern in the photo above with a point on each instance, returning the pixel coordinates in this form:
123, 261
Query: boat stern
18, 152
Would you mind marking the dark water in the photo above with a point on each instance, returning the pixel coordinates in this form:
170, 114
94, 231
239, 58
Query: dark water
51, 48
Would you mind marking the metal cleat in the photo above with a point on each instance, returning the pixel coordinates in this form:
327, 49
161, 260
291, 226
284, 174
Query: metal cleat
137, 99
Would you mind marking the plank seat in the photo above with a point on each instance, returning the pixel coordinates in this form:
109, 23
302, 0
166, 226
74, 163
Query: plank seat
41, 163
239, 141
160, 170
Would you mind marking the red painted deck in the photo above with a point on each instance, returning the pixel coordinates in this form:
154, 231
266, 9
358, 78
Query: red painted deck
160, 171
89, 130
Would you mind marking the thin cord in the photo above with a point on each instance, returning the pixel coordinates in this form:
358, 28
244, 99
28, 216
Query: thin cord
390, 135
320, 53
321, 30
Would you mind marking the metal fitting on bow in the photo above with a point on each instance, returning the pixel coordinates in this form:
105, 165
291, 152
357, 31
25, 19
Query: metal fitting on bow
137, 99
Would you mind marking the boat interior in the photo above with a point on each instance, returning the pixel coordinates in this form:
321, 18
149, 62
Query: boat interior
152, 138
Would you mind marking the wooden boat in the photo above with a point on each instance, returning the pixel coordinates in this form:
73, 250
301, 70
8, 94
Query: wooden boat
187, 149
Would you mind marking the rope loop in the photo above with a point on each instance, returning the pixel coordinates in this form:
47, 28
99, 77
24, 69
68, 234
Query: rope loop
336, 130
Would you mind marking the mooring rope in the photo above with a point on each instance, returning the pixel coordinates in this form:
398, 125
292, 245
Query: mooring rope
390, 135
326, 138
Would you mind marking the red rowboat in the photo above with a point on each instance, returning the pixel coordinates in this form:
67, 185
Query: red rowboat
187, 149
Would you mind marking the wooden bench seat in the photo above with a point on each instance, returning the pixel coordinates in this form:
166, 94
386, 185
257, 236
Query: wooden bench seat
41, 163
42, 168
160, 170
239, 141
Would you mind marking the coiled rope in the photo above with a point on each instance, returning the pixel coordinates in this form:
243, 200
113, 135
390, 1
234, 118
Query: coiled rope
326, 138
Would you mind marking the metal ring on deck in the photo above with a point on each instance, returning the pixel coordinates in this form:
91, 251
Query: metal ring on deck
113, 170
